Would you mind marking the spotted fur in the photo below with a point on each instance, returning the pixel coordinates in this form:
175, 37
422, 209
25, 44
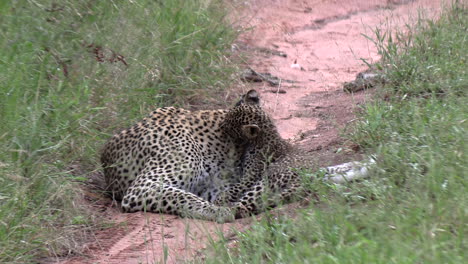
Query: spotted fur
208, 164
178, 162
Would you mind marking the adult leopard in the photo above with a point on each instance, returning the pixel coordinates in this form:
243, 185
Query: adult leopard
177, 161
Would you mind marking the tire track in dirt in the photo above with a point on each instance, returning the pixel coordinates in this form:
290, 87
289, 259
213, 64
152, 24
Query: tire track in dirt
325, 38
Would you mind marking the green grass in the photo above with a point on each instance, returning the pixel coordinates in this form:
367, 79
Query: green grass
71, 73
414, 207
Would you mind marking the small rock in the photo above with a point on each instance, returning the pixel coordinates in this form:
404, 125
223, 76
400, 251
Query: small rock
296, 66
364, 80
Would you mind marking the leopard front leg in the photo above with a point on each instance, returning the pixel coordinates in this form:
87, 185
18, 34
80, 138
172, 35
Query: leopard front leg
277, 186
254, 166
147, 194
230, 194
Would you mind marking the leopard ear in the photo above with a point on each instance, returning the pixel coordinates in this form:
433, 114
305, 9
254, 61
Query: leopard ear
250, 131
252, 97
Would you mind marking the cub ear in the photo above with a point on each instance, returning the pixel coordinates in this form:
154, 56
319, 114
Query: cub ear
251, 97
250, 131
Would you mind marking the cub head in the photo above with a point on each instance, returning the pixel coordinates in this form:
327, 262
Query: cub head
246, 120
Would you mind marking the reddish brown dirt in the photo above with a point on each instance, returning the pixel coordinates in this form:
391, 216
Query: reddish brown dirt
325, 39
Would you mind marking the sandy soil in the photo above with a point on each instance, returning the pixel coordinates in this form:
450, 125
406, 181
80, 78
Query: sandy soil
324, 39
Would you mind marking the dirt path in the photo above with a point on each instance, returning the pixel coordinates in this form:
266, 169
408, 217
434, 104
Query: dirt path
324, 39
